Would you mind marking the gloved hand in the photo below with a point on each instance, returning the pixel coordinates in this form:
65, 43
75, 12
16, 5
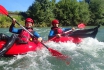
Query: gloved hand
58, 35
73, 29
14, 21
40, 39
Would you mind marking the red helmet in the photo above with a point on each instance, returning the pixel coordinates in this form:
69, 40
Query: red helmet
55, 21
29, 20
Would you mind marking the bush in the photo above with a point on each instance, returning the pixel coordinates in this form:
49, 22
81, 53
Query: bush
5, 21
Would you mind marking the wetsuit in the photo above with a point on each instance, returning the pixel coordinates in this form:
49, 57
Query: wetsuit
18, 31
4, 37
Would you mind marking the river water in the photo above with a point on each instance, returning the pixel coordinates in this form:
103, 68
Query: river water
88, 55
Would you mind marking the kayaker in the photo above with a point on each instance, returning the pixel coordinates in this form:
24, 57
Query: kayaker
56, 30
82, 33
24, 36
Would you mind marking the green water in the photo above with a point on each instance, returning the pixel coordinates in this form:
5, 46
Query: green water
88, 55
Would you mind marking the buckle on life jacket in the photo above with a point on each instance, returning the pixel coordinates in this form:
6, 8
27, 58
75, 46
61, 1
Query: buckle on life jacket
31, 39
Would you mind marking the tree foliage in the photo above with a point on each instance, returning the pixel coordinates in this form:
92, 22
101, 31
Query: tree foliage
68, 12
41, 11
96, 11
71, 12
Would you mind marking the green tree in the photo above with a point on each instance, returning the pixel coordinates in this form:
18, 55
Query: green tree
41, 11
84, 13
97, 12
71, 12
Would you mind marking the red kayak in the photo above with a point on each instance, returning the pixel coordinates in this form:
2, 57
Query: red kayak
77, 36
21, 48
65, 39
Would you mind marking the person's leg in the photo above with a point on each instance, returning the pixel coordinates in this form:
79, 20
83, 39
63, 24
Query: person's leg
3, 36
8, 44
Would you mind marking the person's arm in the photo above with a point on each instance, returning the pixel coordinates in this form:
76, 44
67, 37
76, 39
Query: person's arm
37, 36
51, 34
67, 31
13, 29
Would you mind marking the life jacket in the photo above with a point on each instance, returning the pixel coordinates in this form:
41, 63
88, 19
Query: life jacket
24, 36
57, 30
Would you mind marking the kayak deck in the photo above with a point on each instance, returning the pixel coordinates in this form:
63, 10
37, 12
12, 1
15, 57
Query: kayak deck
21, 48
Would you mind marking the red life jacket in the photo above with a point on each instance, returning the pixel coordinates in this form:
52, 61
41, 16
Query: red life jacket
57, 30
24, 36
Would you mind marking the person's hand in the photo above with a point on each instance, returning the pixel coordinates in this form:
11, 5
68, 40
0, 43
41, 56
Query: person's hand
58, 35
14, 21
40, 39
73, 29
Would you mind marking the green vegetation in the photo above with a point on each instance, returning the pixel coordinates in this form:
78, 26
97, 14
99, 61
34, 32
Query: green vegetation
68, 12
5, 21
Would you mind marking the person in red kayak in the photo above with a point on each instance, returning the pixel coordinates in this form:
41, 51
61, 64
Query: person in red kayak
83, 33
24, 36
56, 30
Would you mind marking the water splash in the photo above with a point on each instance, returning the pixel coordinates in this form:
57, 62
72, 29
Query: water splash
87, 55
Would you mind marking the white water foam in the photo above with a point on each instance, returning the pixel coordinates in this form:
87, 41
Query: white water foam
88, 55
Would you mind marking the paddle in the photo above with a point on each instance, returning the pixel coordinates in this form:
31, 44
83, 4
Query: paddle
52, 51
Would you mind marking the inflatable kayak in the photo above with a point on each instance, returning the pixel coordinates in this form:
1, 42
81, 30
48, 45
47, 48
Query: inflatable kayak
76, 36
16, 49
66, 39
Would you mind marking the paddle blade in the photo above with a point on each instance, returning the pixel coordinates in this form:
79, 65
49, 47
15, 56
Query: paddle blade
82, 25
59, 55
3, 10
